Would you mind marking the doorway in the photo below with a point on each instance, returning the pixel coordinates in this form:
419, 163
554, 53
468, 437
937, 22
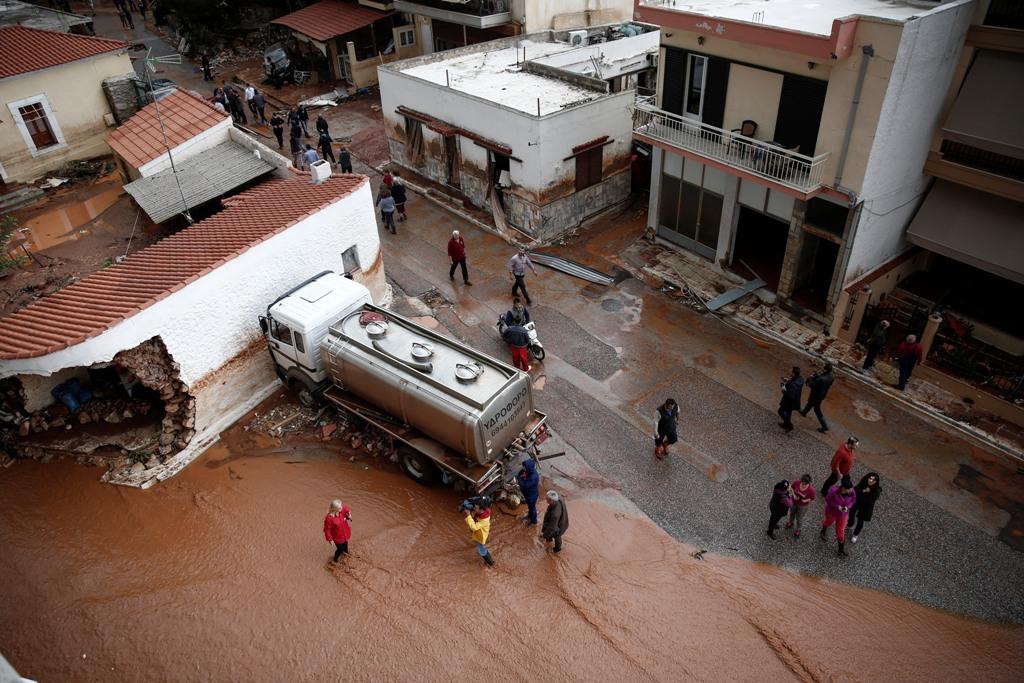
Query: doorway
452, 161
760, 245
696, 73
498, 172
814, 273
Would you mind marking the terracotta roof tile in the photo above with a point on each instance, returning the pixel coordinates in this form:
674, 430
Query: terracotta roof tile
24, 49
330, 18
96, 303
139, 140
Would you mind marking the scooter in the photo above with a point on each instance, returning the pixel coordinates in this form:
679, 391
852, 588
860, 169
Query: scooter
535, 347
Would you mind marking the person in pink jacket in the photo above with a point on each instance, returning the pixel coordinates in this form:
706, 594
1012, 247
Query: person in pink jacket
838, 501
338, 529
803, 494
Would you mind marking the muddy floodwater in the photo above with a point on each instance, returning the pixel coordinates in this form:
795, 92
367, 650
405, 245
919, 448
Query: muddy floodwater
222, 574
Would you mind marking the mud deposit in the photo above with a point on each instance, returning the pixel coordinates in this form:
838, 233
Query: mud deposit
222, 574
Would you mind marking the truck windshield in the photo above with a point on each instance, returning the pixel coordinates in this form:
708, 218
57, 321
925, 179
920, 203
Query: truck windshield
281, 333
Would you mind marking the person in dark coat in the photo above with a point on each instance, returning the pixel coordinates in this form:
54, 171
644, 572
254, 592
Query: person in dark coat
556, 520
207, 73
277, 124
818, 386
398, 192
345, 159
529, 483
518, 314
668, 424
303, 118
325, 147
781, 502
259, 105
868, 491
321, 124
518, 340
876, 343
792, 390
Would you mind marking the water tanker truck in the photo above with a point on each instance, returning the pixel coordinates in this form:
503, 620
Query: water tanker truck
454, 413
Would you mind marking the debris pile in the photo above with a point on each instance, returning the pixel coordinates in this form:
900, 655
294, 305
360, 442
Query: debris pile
57, 415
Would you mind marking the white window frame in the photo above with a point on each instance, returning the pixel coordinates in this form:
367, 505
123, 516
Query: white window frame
351, 254
402, 41
51, 119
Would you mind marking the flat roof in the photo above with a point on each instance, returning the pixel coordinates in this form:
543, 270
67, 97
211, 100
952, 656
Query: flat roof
495, 76
815, 16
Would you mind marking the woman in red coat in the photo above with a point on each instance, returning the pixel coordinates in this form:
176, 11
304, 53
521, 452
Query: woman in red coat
337, 528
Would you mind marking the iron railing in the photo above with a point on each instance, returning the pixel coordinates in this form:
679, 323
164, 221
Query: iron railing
757, 157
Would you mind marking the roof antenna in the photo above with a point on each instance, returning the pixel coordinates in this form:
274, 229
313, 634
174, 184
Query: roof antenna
174, 58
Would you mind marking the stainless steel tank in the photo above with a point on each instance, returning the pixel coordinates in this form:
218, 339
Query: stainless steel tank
469, 401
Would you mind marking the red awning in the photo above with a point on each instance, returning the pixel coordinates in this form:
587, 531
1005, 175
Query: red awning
330, 18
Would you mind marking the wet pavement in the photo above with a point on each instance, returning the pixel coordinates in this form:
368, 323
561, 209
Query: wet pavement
616, 353
222, 574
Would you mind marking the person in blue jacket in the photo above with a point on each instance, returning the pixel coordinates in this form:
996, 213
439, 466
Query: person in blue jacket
529, 484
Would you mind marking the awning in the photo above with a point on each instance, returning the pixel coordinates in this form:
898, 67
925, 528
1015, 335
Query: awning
973, 227
987, 113
203, 177
330, 18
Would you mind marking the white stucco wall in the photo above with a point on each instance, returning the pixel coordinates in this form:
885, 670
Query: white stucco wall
894, 181
560, 14
210, 137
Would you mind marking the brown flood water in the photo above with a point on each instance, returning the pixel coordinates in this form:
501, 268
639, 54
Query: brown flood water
221, 574
62, 225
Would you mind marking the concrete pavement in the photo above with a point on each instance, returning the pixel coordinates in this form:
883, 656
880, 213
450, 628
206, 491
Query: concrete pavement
945, 531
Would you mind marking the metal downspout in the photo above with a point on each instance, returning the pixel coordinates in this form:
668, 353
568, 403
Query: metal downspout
868, 53
844, 257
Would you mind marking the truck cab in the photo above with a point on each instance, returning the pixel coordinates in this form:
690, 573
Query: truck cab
296, 324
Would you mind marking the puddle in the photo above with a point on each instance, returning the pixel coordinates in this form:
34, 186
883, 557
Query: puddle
65, 223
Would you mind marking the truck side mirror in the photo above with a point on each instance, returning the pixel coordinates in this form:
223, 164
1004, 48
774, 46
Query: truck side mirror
264, 325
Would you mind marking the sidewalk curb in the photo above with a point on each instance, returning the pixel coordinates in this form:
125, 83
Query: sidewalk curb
930, 414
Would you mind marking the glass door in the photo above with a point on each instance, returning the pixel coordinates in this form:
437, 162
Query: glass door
696, 73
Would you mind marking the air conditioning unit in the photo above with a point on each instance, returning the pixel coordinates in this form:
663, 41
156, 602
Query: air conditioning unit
320, 170
577, 38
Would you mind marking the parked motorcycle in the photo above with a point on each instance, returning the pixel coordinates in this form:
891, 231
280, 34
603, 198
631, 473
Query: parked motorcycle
535, 347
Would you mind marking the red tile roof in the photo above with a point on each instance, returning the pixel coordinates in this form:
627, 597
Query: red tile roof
330, 18
138, 140
99, 301
24, 49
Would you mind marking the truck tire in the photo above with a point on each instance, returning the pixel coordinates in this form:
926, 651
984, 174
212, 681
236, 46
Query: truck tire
308, 396
417, 466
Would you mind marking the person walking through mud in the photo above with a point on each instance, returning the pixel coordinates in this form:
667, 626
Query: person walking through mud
337, 528
398, 192
478, 519
779, 506
556, 521
457, 257
386, 204
277, 124
838, 501
803, 494
668, 425
324, 144
908, 354
792, 390
876, 343
842, 463
529, 483
818, 386
517, 266
868, 490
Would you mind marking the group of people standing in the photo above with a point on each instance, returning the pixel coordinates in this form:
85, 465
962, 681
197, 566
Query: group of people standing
124, 11
228, 101
909, 353
846, 506
391, 198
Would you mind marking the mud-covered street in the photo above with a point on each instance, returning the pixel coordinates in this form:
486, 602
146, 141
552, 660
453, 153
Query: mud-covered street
223, 574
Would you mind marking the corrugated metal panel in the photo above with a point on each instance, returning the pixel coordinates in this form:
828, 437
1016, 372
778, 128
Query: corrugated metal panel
203, 177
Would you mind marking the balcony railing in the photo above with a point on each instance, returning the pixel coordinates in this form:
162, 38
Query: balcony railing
763, 159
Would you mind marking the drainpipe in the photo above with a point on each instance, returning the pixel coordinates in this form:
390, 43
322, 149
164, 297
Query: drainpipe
868, 53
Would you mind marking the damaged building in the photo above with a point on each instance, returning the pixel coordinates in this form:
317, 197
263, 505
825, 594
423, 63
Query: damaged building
534, 129
155, 355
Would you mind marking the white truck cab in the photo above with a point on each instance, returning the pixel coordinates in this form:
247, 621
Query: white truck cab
298, 321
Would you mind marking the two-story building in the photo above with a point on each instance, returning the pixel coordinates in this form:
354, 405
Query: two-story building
789, 138
447, 24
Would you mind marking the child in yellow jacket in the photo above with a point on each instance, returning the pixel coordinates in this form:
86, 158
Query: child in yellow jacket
478, 519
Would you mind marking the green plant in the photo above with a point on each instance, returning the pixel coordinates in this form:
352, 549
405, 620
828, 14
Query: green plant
107, 262
139, 456
8, 224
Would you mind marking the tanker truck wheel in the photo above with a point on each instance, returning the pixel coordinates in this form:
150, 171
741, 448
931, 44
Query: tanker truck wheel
417, 466
307, 395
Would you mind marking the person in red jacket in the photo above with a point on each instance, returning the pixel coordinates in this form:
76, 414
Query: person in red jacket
842, 464
457, 257
337, 528
909, 354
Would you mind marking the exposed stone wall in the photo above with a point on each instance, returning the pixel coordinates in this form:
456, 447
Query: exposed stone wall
153, 366
122, 96
559, 216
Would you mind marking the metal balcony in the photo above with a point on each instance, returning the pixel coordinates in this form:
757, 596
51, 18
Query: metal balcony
758, 158
475, 13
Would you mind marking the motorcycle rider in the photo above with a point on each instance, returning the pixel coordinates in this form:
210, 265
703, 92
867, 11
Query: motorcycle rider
518, 315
